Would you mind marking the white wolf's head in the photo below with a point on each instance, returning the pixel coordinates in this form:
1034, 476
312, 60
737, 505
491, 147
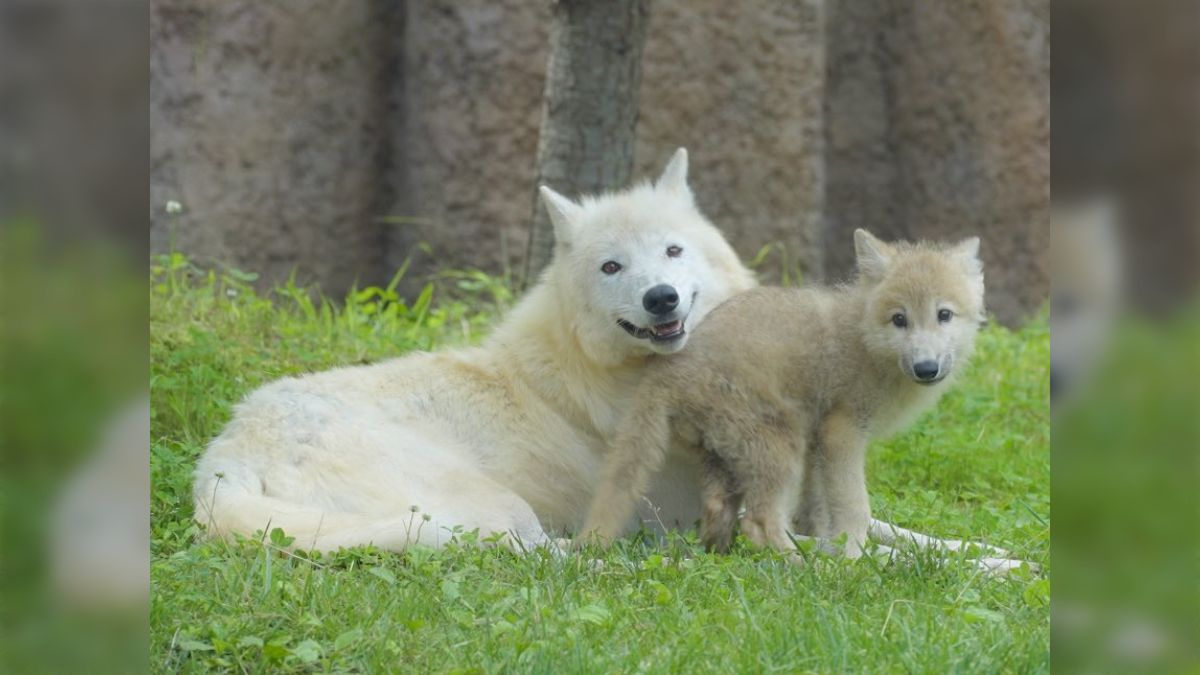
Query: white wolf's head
636, 270
924, 303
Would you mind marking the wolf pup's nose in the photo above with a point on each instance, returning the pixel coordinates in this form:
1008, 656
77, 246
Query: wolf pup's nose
925, 370
660, 299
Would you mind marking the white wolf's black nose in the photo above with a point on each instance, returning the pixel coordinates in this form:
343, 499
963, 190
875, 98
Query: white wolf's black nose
925, 370
660, 299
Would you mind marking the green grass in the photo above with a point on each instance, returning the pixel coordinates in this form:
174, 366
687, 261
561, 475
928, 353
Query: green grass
976, 467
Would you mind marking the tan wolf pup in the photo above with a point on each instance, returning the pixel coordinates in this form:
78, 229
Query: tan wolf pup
777, 380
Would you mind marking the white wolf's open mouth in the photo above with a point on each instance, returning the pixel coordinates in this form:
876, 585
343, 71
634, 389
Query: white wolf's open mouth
662, 332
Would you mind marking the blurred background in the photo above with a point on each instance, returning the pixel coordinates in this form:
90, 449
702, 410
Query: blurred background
1124, 334
74, 417
340, 138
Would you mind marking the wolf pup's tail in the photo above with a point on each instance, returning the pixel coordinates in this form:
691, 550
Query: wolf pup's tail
636, 453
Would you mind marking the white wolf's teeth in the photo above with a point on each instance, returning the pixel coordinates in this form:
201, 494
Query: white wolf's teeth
664, 328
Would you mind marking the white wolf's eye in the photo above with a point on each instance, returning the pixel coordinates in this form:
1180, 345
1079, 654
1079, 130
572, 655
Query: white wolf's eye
944, 315
610, 267
899, 320
674, 251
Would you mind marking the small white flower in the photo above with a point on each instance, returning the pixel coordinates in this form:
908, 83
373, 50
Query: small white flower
174, 207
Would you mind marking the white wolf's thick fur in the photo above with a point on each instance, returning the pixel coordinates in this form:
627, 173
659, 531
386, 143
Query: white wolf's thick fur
504, 437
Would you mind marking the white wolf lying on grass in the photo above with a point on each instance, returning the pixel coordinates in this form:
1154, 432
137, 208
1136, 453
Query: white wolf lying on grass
508, 437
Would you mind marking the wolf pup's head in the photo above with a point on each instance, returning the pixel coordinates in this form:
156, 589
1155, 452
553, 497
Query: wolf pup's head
924, 303
636, 270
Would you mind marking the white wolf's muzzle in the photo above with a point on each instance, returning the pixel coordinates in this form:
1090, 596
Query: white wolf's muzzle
665, 325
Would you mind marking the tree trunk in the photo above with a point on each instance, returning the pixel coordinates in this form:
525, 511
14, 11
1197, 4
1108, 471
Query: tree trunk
589, 109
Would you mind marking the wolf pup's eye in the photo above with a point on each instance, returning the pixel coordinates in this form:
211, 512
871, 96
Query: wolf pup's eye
899, 320
674, 251
611, 267
944, 315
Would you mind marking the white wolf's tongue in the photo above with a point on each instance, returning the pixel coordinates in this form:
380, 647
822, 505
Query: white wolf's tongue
666, 328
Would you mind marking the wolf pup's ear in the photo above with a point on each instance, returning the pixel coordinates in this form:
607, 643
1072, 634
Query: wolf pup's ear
967, 252
564, 214
872, 254
674, 177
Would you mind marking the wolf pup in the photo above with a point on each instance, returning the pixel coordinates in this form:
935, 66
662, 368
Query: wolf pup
774, 375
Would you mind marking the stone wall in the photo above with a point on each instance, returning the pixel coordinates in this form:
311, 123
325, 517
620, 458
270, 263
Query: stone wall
938, 127
339, 136
740, 86
271, 123
472, 95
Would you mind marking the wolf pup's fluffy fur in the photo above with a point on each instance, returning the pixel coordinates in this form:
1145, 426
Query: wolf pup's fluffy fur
783, 388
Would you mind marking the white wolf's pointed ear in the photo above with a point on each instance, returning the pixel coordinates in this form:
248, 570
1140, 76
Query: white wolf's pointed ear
564, 214
674, 176
872, 254
967, 252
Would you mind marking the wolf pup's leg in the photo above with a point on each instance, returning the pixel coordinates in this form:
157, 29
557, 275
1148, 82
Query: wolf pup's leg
770, 470
720, 498
812, 508
624, 482
637, 452
843, 455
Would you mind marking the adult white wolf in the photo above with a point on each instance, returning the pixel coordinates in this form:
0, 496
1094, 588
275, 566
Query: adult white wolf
506, 437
